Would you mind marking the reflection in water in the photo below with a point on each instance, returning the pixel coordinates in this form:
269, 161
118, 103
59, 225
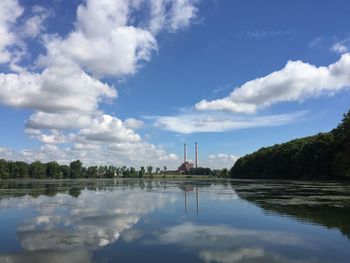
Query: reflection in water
228, 244
81, 220
327, 204
113, 220
191, 189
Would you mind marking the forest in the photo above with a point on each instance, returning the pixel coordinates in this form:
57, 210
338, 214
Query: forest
322, 156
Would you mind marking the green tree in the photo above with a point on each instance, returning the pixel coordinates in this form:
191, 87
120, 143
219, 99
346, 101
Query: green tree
149, 169
142, 171
126, 171
53, 170
65, 171
224, 173
322, 156
92, 172
37, 169
132, 172
102, 171
74, 192
76, 169
341, 163
111, 171
4, 169
118, 171
18, 169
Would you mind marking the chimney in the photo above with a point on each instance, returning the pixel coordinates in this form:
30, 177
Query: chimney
185, 153
196, 155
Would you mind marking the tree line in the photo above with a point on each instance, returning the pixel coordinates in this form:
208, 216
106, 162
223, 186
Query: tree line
222, 173
322, 156
54, 170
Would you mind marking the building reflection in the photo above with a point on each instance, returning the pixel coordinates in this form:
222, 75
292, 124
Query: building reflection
188, 190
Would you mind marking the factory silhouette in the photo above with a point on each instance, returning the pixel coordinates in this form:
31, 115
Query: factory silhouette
186, 166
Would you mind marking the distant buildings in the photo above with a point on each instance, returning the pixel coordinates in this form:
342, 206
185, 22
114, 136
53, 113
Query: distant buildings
186, 166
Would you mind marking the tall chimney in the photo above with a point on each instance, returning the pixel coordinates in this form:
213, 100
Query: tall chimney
185, 153
196, 155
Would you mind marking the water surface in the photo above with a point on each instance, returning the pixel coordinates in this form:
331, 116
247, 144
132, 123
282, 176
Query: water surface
174, 221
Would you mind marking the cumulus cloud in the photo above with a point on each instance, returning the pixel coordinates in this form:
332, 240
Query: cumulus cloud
64, 86
297, 81
42, 120
53, 138
10, 10
106, 128
143, 152
135, 154
217, 122
106, 43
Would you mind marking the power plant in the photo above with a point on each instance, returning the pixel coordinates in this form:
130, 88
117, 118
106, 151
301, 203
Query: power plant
186, 166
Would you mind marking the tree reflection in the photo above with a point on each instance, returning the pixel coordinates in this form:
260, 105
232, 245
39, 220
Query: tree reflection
326, 204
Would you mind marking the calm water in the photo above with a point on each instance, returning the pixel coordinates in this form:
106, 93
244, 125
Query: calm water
174, 221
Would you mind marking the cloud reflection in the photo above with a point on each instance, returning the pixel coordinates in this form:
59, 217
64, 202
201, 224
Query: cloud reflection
224, 244
94, 219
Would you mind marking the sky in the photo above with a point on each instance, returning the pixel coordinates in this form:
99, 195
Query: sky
128, 82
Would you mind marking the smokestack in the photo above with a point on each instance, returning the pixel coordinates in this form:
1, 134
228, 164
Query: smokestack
196, 155
185, 153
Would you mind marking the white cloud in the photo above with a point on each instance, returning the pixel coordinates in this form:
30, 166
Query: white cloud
106, 128
132, 123
171, 14
60, 88
34, 25
116, 54
297, 81
42, 120
142, 153
10, 10
106, 43
64, 88
219, 122
53, 138
182, 13
135, 154
220, 161
339, 48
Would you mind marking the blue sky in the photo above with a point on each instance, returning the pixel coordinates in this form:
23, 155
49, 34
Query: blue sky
128, 82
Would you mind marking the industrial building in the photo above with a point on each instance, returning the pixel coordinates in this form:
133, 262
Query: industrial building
186, 166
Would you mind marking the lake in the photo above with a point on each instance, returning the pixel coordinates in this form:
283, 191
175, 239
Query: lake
174, 221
